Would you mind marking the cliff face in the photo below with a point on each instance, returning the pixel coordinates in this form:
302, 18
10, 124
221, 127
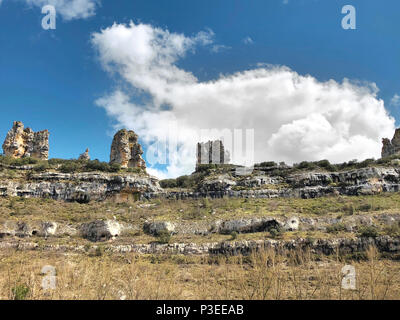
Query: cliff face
80, 187
86, 186
21, 142
126, 150
305, 185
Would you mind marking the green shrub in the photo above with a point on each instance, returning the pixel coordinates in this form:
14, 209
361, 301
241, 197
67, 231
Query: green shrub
134, 170
41, 166
366, 163
348, 210
96, 165
335, 228
164, 236
393, 230
365, 207
69, 167
326, 165
115, 167
305, 165
20, 292
168, 183
234, 235
267, 164
7, 160
368, 232
98, 252
275, 232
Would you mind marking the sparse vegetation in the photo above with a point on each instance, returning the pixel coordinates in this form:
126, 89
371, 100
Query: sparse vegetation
335, 228
20, 292
164, 236
264, 275
234, 235
368, 232
64, 165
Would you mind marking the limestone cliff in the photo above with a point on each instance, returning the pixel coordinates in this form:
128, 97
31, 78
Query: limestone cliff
80, 187
24, 142
126, 150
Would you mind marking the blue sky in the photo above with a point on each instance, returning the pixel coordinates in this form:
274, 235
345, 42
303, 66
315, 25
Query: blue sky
51, 79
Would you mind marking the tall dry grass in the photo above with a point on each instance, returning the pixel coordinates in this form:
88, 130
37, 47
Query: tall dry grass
263, 275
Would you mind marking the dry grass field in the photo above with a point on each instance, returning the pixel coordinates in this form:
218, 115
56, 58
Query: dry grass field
100, 274
264, 275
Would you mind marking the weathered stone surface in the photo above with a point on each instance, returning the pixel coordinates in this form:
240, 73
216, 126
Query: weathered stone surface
221, 183
100, 230
365, 181
341, 246
248, 225
390, 147
24, 229
157, 227
126, 150
22, 142
81, 187
85, 155
292, 224
212, 152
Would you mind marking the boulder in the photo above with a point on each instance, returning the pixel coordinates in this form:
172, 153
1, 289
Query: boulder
291, 224
247, 225
100, 230
157, 227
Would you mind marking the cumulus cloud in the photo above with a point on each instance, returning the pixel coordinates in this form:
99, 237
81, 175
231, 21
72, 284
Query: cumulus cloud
395, 101
294, 117
68, 9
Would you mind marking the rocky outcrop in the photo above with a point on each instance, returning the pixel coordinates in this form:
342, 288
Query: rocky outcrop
341, 246
24, 142
80, 187
247, 225
212, 152
23, 229
365, 181
126, 150
158, 227
100, 230
85, 155
391, 147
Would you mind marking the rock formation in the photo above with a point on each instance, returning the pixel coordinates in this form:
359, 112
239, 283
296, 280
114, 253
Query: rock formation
126, 150
390, 147
212, 152
22, 142
80, 187
85, 155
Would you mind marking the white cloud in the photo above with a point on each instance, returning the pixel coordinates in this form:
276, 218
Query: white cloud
395, 101
68, 9
248, 40
295, 117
